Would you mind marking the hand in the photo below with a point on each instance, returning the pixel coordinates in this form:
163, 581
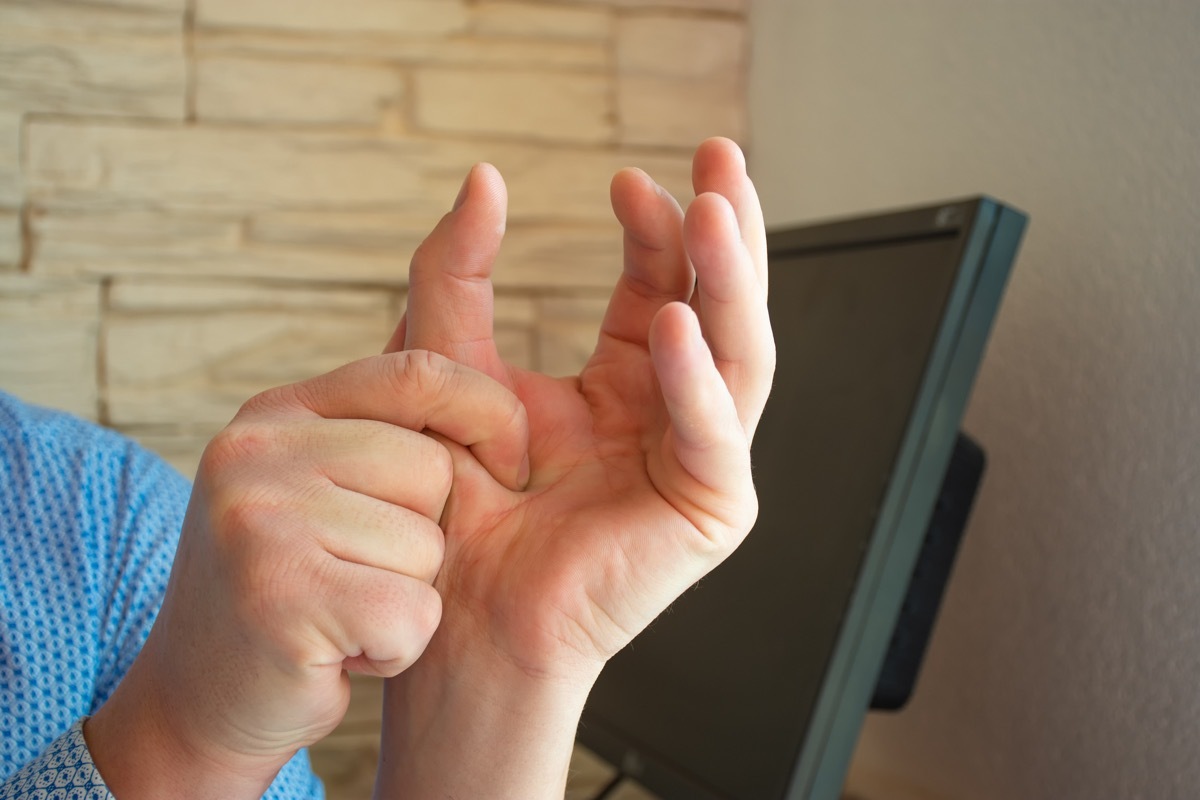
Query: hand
641, 478
308, 549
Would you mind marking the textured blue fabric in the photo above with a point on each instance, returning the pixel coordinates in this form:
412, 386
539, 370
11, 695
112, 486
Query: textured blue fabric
89, 522
64, 772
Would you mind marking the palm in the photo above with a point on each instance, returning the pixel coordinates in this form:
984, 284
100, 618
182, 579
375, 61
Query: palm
640, 472
597, 515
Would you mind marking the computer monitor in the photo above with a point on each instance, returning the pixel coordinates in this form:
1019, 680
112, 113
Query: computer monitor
755, 683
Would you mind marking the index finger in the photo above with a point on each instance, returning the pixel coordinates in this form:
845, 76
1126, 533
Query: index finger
418, 390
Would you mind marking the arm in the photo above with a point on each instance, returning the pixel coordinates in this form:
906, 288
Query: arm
480, 727
640, 480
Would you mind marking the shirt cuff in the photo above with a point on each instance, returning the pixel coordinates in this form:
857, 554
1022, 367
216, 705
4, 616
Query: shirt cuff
64, 771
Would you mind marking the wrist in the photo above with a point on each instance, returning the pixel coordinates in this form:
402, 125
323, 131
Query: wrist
143, 750
469, 722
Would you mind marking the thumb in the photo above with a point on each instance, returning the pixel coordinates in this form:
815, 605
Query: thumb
450, 302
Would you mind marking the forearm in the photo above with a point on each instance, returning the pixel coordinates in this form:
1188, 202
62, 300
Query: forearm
479, 727
140, 753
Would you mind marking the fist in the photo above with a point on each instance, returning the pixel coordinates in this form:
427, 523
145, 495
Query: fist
309, 549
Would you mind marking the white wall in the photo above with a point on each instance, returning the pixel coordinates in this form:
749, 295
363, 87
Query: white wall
1066, 663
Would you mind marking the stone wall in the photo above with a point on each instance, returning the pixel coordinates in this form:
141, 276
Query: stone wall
200, 199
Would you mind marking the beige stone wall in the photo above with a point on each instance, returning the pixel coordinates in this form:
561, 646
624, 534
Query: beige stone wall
200, 199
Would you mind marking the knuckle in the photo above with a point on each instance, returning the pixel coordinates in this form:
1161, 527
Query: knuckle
245, 513
741, 516
769, 356
749, 515
421, 611
245, 534
238, 443
426, 614
433, 552
424, 371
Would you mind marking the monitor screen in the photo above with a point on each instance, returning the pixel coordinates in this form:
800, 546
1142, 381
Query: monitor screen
754, 683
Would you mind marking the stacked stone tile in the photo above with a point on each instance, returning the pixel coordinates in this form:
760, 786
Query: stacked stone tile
203, 198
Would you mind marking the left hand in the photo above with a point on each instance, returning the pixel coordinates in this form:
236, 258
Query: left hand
309, 548
640, 480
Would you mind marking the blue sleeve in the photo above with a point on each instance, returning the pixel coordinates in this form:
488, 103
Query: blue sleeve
64, 771
89, 523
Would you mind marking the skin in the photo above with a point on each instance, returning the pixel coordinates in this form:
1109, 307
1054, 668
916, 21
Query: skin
640, 478
308, 550
483, 536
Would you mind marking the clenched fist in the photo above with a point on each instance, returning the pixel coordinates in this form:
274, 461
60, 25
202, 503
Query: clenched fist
309, 549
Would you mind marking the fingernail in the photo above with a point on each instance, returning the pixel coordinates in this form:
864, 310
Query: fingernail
523, 473
464, 191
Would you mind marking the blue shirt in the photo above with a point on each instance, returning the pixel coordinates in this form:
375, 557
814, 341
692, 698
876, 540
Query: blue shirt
89, 522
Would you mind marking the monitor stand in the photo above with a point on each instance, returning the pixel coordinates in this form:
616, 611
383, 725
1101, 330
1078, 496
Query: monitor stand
930, 576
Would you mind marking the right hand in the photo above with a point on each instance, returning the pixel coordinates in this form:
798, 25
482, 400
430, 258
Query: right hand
641, 477
309, 548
